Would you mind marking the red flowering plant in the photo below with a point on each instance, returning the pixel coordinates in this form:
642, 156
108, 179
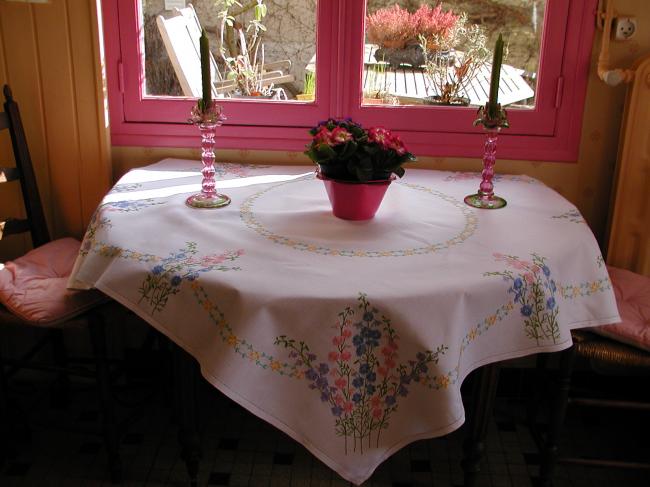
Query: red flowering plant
344, 150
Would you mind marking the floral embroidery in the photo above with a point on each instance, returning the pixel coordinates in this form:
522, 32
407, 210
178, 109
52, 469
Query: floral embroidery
361, 379
223, 169
471, 222
165, 278
482, 326
588, 288
534, 292
125, 188
99, 220
464, 176
573, 216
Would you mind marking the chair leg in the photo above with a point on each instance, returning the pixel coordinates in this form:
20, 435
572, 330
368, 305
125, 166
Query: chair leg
61, 392
185, 384
549, 454
5, 421
483, 397
97, 330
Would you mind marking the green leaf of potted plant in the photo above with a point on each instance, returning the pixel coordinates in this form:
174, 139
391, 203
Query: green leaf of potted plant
356, 165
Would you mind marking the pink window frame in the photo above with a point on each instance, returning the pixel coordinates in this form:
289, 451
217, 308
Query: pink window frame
550, 131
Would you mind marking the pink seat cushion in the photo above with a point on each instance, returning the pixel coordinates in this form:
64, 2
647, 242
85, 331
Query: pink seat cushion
633, 298
33, 287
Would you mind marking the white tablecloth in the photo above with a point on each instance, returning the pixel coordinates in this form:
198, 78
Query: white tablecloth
351, 337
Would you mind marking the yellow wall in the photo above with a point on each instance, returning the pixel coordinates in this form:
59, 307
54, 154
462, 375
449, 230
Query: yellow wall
49, 53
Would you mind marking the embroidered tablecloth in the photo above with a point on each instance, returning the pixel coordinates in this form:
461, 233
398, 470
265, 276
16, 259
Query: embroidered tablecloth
351, 337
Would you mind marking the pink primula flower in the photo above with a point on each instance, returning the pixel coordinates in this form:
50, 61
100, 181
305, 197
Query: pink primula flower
323, 136
340, 136
380, 136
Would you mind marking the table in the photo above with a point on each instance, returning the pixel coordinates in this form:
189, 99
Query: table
351, 337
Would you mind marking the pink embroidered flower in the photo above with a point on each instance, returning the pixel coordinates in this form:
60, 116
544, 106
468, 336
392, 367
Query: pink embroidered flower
345, 356
377, 413
337, 340
346, 333
333, 356
341, 382
348, 406
529, 278
375, 401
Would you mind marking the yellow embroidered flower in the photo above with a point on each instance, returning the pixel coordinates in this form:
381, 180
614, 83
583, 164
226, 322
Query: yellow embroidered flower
442, 381
576, 291
595, 286
275, 365
254, 356
472, 334
194, 285
232, 340
207, 305
491, 320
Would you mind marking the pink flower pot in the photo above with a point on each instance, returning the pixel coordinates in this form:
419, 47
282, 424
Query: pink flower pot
353, 200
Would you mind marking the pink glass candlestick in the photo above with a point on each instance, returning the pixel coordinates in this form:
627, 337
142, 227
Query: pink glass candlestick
485, 198
208, 121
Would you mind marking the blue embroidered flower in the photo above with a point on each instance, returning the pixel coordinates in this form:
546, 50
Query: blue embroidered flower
390, 400
550, 303
324, 397
364, 368
311, 374
546, 271
518, 282
356, 397
370, 389
526, 310
337, 411
323, 368
371, 377
176, 280
158, 269
368, 316
357, 382
402, 391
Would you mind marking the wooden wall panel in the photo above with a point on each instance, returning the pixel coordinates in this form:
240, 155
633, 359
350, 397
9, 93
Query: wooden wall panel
49, 55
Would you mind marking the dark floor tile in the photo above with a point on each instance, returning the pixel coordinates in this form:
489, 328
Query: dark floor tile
228, 444
531, 458
283, 458
17, 469
90, 448
506, 426
420, 466
132, 439
219, 478
88, 416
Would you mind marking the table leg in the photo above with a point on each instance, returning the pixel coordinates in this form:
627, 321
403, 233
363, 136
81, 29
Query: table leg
185, 378
482, 405
549, 453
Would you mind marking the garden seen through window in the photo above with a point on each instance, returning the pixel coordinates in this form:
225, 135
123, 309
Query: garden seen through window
418, 67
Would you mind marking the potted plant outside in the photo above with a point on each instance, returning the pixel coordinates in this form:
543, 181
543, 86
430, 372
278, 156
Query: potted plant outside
396, 31
356, 165
309, 87
449, 73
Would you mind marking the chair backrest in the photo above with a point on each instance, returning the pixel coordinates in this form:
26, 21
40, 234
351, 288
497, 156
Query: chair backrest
35, 222
180, 34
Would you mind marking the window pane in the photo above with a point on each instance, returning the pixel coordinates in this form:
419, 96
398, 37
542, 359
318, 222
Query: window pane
419, 54
262, 51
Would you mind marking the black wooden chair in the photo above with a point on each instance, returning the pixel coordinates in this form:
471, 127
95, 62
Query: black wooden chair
607, 352
33, 293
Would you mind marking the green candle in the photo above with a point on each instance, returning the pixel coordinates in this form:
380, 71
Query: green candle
494, 82
205, 70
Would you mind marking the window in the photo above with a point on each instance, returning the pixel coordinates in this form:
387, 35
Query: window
331, 43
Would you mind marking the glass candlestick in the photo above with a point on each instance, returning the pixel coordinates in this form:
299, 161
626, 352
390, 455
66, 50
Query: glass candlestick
485, 198
208, 121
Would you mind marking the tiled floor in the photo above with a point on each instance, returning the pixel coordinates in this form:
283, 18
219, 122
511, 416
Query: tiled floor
241, 450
